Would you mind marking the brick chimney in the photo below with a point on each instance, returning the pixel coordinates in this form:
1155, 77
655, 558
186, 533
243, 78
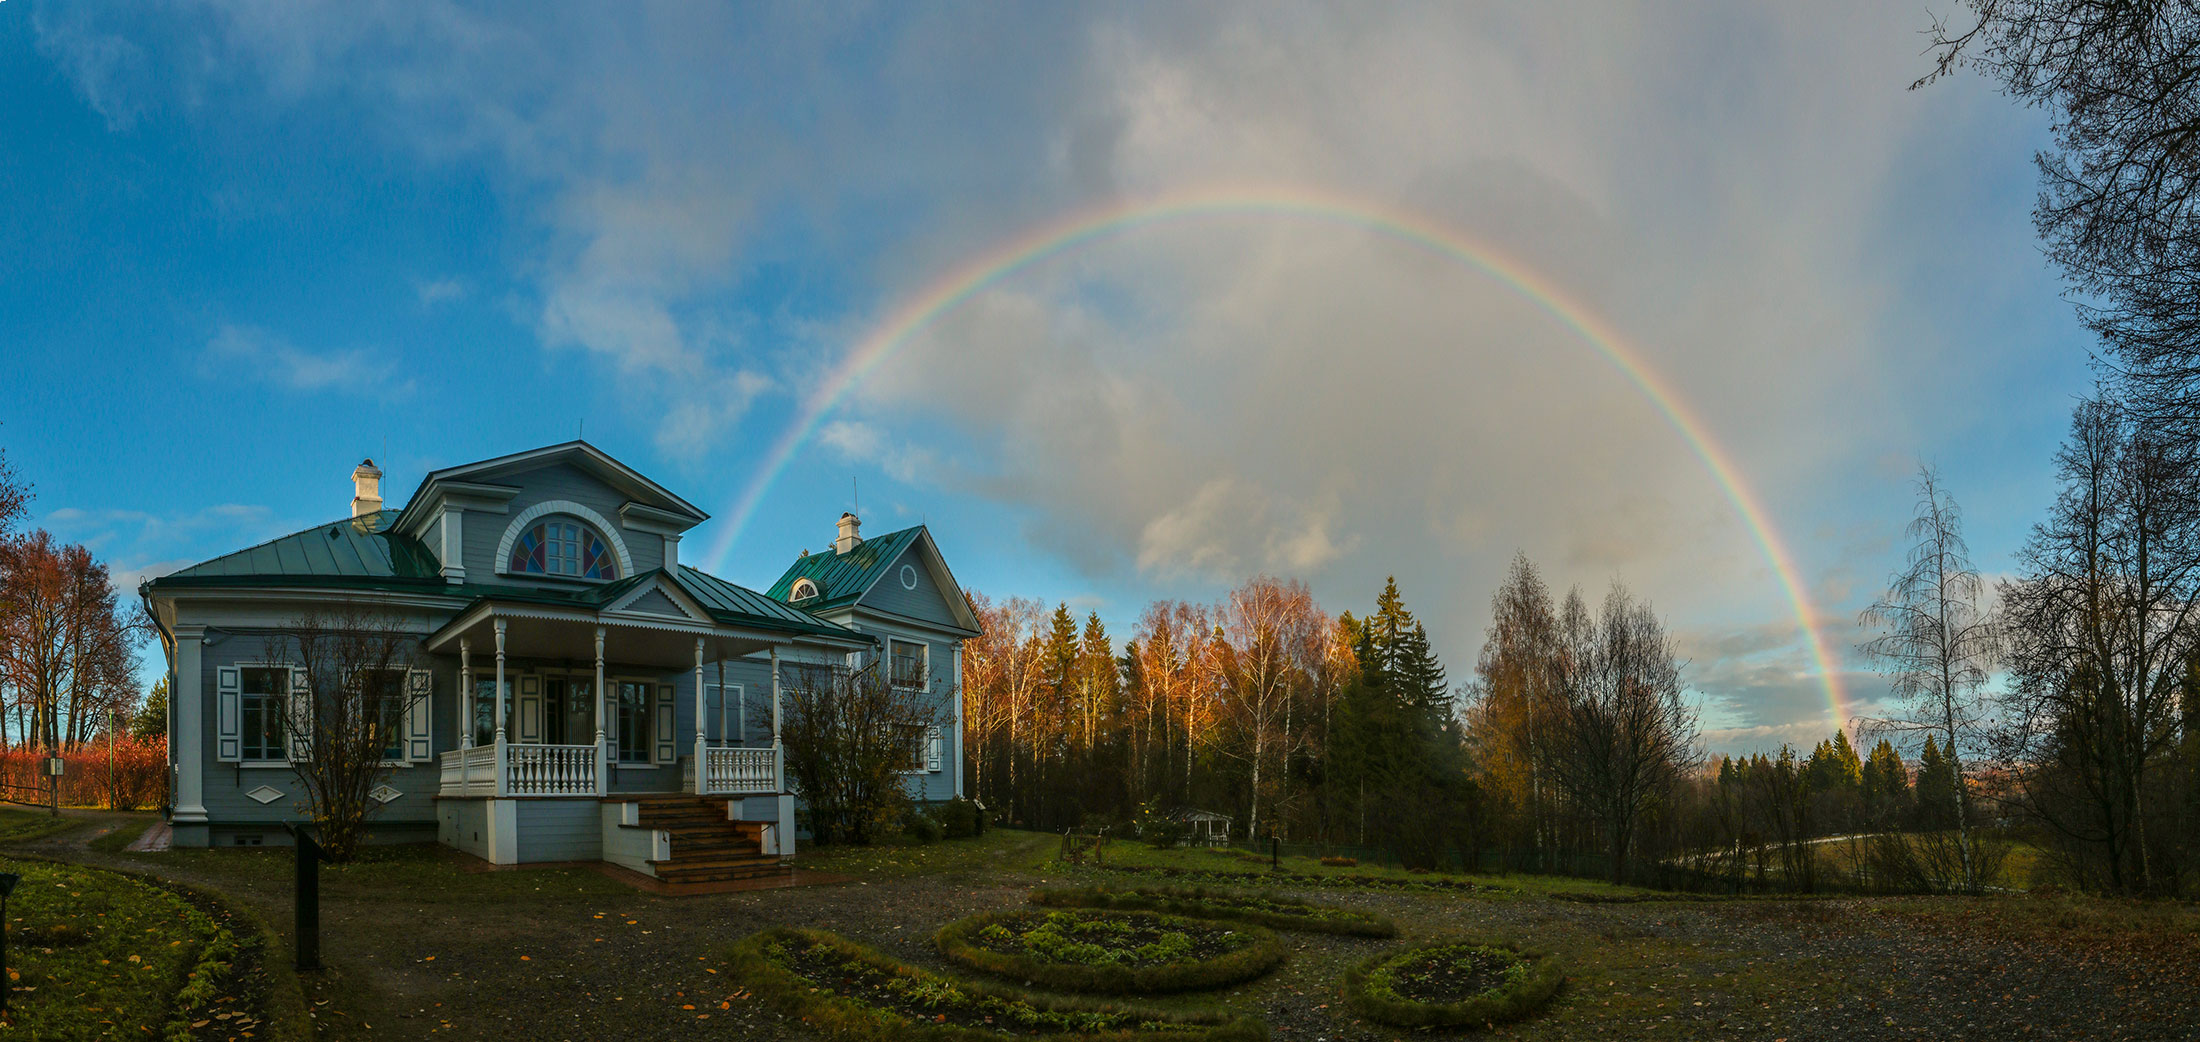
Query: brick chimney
366, 489
848, 540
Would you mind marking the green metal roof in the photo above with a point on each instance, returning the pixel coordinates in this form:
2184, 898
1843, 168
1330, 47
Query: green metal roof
353, 548
843, 578
362, 554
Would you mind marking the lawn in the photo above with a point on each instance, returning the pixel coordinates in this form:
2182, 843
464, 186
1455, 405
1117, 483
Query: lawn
92, 953
21, 826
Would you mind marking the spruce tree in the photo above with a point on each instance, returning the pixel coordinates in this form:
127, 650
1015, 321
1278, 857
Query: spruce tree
1936, 788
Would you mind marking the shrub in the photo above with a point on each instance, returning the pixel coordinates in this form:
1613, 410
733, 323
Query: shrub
140, 773
924, 828
1263, 907
1410, 988
1110, 952
962, 818
1341, 862
1165, 834
852, 992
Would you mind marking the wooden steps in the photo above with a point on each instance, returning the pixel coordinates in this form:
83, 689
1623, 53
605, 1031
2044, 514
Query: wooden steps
707, 846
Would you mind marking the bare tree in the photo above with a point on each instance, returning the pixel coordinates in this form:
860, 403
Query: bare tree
1935, 646
850, 735
354, 684
2104, 637
1278, 637
1624, 737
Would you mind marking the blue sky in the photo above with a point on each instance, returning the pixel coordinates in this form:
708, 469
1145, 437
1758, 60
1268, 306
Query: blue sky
248, 244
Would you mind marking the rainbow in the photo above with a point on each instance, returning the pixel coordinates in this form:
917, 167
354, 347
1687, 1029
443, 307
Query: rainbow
1420, 230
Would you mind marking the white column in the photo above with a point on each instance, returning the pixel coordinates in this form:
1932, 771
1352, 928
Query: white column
465, 693
957, 694
700, 785
499, 695
188, 704
741, 737
603, 704
775, 694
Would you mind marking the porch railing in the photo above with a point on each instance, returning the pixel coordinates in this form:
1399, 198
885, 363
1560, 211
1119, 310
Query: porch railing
551, 770
470, 772
738, 770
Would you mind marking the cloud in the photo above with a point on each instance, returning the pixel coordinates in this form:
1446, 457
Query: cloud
438, 291
257, 354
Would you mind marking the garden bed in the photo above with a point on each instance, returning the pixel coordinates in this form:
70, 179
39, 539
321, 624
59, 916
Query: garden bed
93, 953
849, 991
1263, 907
1453, 984
1111, 952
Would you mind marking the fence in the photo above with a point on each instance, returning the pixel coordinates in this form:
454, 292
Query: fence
139, 778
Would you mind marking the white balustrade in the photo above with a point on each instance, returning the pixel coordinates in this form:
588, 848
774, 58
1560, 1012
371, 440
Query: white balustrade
470, 772
550, 770
737, 770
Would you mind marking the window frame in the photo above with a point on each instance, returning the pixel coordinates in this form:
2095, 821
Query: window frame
924, 662
544, 536
645, 735
404, 712
280, 700
733, 718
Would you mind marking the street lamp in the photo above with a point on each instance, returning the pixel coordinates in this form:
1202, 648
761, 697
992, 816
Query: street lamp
7, 886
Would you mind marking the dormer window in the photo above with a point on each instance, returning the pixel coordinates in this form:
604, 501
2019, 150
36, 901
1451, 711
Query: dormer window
804, 589
566, 548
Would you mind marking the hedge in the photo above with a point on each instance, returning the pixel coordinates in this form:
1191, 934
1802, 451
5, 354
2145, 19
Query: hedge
945, 1009
1261, 952
1530, 981
1263, 907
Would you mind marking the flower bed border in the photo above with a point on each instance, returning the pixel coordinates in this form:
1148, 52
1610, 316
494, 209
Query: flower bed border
1497, 1005
1200, 903
956, 942
1439, 884
843, 1017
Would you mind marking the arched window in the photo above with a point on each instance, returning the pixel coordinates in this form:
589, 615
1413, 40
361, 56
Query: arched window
563, 547
804, 589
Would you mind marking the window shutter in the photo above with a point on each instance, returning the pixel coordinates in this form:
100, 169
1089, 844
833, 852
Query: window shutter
664, 707
530, 709
228, 714
299, 721
419, 694
932, 749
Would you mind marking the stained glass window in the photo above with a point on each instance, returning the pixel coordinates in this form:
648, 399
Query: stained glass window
564, 548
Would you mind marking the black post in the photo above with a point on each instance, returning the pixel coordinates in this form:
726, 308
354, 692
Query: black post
7, 886
308, 891
1275, 852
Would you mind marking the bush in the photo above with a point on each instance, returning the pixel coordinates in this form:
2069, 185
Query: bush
852, 992
924, 828
1110, 952
1165, 834
1341, 862
1264, 908
962, 818
140, 773
1409, 989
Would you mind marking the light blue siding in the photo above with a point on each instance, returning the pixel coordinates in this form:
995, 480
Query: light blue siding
484, 531
925, 603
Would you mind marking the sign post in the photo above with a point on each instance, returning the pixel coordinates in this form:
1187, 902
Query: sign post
307, 943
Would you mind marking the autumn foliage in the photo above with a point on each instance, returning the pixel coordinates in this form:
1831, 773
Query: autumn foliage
139, 777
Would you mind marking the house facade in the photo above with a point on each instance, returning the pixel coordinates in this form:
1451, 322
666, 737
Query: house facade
576, 692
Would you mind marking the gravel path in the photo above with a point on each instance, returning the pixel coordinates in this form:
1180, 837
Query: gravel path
560, 953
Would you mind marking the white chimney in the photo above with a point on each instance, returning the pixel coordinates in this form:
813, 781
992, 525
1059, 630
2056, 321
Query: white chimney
366, 489
848, 540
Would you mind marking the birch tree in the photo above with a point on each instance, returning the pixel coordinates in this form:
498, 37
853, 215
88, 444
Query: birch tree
1935, 645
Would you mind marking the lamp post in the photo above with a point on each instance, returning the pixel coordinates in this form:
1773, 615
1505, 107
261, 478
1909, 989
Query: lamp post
7, 886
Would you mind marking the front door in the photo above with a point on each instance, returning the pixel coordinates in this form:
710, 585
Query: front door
568, 710
553, 711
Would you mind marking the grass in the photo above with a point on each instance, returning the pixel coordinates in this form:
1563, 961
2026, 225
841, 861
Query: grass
848, 991
1237, 867
1383, 988
1265, 908
420, 873
22, 826
1086, 950
93, 953
114, 840
898, 855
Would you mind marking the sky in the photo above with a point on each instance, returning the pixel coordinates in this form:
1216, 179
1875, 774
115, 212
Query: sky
248, 244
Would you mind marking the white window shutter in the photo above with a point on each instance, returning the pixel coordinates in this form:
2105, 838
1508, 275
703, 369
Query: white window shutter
932, 749
300, 720
664, 708
419, 695
530, 709
228, 714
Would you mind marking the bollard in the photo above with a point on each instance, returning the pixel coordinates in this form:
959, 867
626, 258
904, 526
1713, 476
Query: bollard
307, 941
1275, 852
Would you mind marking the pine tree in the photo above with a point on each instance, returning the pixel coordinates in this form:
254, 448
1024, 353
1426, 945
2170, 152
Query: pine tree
1936, 788
1886, 787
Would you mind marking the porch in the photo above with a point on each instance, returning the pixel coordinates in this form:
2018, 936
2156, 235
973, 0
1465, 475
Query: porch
594, 736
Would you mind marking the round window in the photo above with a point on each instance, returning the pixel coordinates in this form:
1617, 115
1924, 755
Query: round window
908, 577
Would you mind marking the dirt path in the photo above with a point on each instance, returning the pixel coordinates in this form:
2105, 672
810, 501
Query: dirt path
426, 945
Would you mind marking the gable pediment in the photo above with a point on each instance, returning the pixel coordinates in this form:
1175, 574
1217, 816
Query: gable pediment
660, 597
